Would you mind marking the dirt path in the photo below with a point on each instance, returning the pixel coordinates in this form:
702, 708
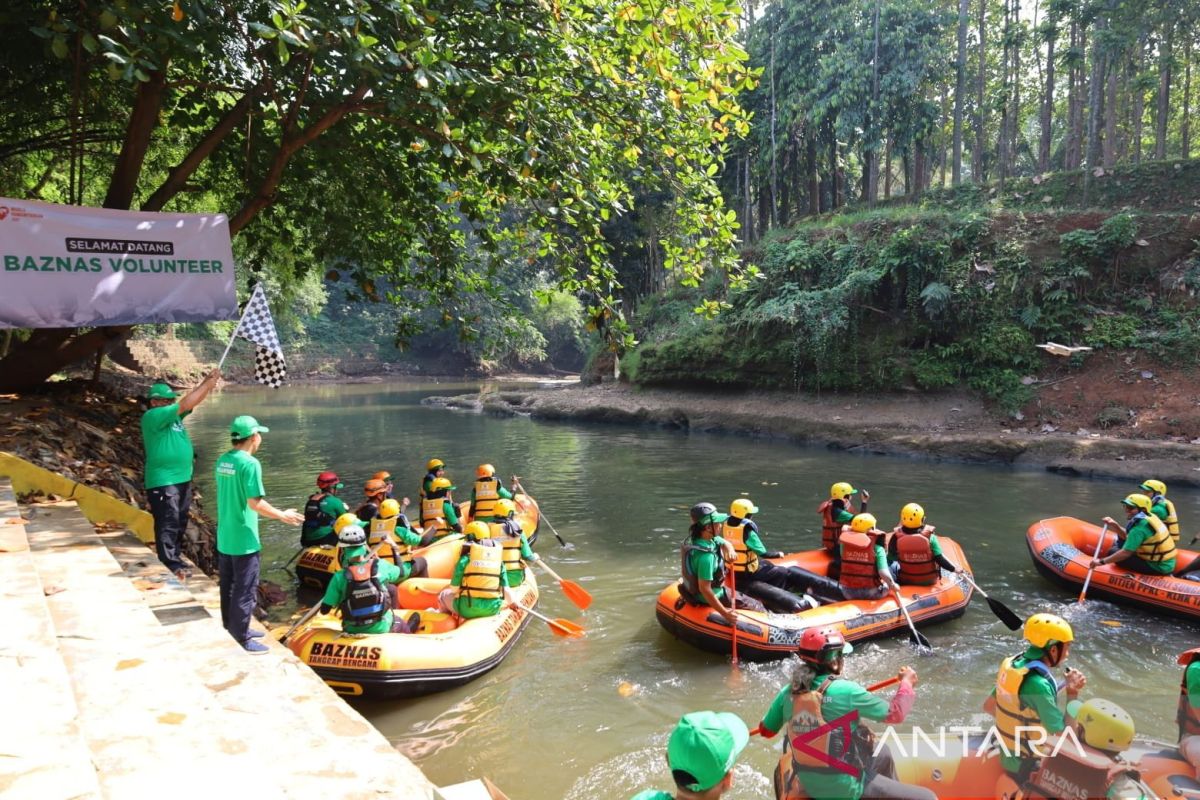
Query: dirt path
944, 426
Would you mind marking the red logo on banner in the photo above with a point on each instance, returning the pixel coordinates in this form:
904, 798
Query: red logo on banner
3, 212
842, 723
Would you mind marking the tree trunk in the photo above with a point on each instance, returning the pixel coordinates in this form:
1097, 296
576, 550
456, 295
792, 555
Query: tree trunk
978, 162
1110, 120
1163, 112
774, 148
1014, 116
887, 167
1005, 93
1047, 115
142, 121
960, 88
833, 169
1095, 104
785, 190
814, 174
1139, 103
1185, 126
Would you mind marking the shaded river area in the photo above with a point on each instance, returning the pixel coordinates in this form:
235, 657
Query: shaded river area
590, 718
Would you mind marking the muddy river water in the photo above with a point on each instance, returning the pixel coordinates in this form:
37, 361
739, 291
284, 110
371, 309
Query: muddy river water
590, 718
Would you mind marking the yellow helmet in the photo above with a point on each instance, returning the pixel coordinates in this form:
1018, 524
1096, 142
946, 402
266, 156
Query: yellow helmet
742, 508
863, 523
1105, 725
1042, 630
1157, 487
389, 508
1138, 501
485, 471
840, 491
349, 518
434, 463
438, 484
505, 508
912, 516
479, 530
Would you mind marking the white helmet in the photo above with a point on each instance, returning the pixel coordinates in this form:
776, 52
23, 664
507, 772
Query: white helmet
352, 536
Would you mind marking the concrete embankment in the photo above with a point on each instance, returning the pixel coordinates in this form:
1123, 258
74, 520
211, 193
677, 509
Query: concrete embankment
946, 427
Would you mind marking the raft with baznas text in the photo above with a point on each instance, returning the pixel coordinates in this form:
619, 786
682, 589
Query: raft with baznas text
319, 563
968, 770
439, 657
1062, 548
764, 636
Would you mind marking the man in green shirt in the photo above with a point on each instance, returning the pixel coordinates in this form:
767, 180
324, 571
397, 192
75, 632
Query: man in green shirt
321, 510
1188, 711
477, 586
169, 461
816, 696
486, 493
359, 589
437, 508
1025, 698
1148, 547
507, 531
703, 564
240, 502
701, 753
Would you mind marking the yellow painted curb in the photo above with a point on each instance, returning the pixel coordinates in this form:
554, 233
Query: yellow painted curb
97, 506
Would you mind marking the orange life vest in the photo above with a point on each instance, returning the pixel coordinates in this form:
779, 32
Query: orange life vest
915, 556
859, 570
1188, 717
487, 492
830, 530
745, 559
807, 717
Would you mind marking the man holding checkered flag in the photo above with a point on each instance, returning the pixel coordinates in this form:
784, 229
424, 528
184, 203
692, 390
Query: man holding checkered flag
257, 326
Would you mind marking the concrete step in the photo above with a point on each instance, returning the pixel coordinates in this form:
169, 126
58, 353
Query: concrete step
172, 704
42, 752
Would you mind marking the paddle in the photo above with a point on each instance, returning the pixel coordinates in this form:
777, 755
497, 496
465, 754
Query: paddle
733, 606
573, 591
916, 636
541, 515
1088, 579
874, 687
559, 627
1002, 612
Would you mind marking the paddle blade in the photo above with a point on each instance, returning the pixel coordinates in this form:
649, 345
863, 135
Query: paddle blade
1005, 615
576, 594
566, 629
922, 643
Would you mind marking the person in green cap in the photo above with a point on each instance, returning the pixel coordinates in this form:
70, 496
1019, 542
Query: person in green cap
701, 753
169, 462
704, 555
240, 502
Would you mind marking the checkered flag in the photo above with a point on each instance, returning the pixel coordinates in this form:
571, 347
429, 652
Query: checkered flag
257, 326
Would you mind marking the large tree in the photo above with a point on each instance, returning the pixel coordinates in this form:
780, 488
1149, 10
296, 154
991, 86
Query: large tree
378, 136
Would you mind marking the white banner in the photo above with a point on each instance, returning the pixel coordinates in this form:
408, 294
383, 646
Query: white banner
70, 266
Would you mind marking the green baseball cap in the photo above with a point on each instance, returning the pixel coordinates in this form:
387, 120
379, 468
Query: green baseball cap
704, 745
245, 426
160, 391
713, 518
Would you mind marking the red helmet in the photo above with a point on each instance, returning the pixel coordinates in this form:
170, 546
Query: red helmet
326, 478
1188, 656
818, 645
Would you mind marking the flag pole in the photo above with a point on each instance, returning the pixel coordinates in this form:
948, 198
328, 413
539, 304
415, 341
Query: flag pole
236, 328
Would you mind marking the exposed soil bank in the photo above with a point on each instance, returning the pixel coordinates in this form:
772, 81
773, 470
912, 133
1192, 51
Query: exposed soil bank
944, 426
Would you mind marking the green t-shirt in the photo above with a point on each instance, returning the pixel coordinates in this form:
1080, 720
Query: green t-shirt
1041, 694
1137, 534
335, 594
703, 562
842, 697
472, 607
842, 515
334, 507
168, 447
653, 794
1159, 510
750, 536
1192, 673
239, 478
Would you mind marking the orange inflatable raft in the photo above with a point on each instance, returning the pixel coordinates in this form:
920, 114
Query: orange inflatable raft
1063, 547
965, 770
437, 658
763, 636
317, 564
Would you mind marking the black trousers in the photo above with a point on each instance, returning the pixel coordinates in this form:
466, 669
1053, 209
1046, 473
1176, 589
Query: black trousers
239, 593
777, 587
169, 506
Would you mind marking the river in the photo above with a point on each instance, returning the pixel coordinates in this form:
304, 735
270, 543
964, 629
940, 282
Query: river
590, 718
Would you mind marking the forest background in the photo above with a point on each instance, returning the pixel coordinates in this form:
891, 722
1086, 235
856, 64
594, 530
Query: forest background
922, 191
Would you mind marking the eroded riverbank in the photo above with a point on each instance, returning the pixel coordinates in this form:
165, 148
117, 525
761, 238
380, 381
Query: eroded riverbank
941, 427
